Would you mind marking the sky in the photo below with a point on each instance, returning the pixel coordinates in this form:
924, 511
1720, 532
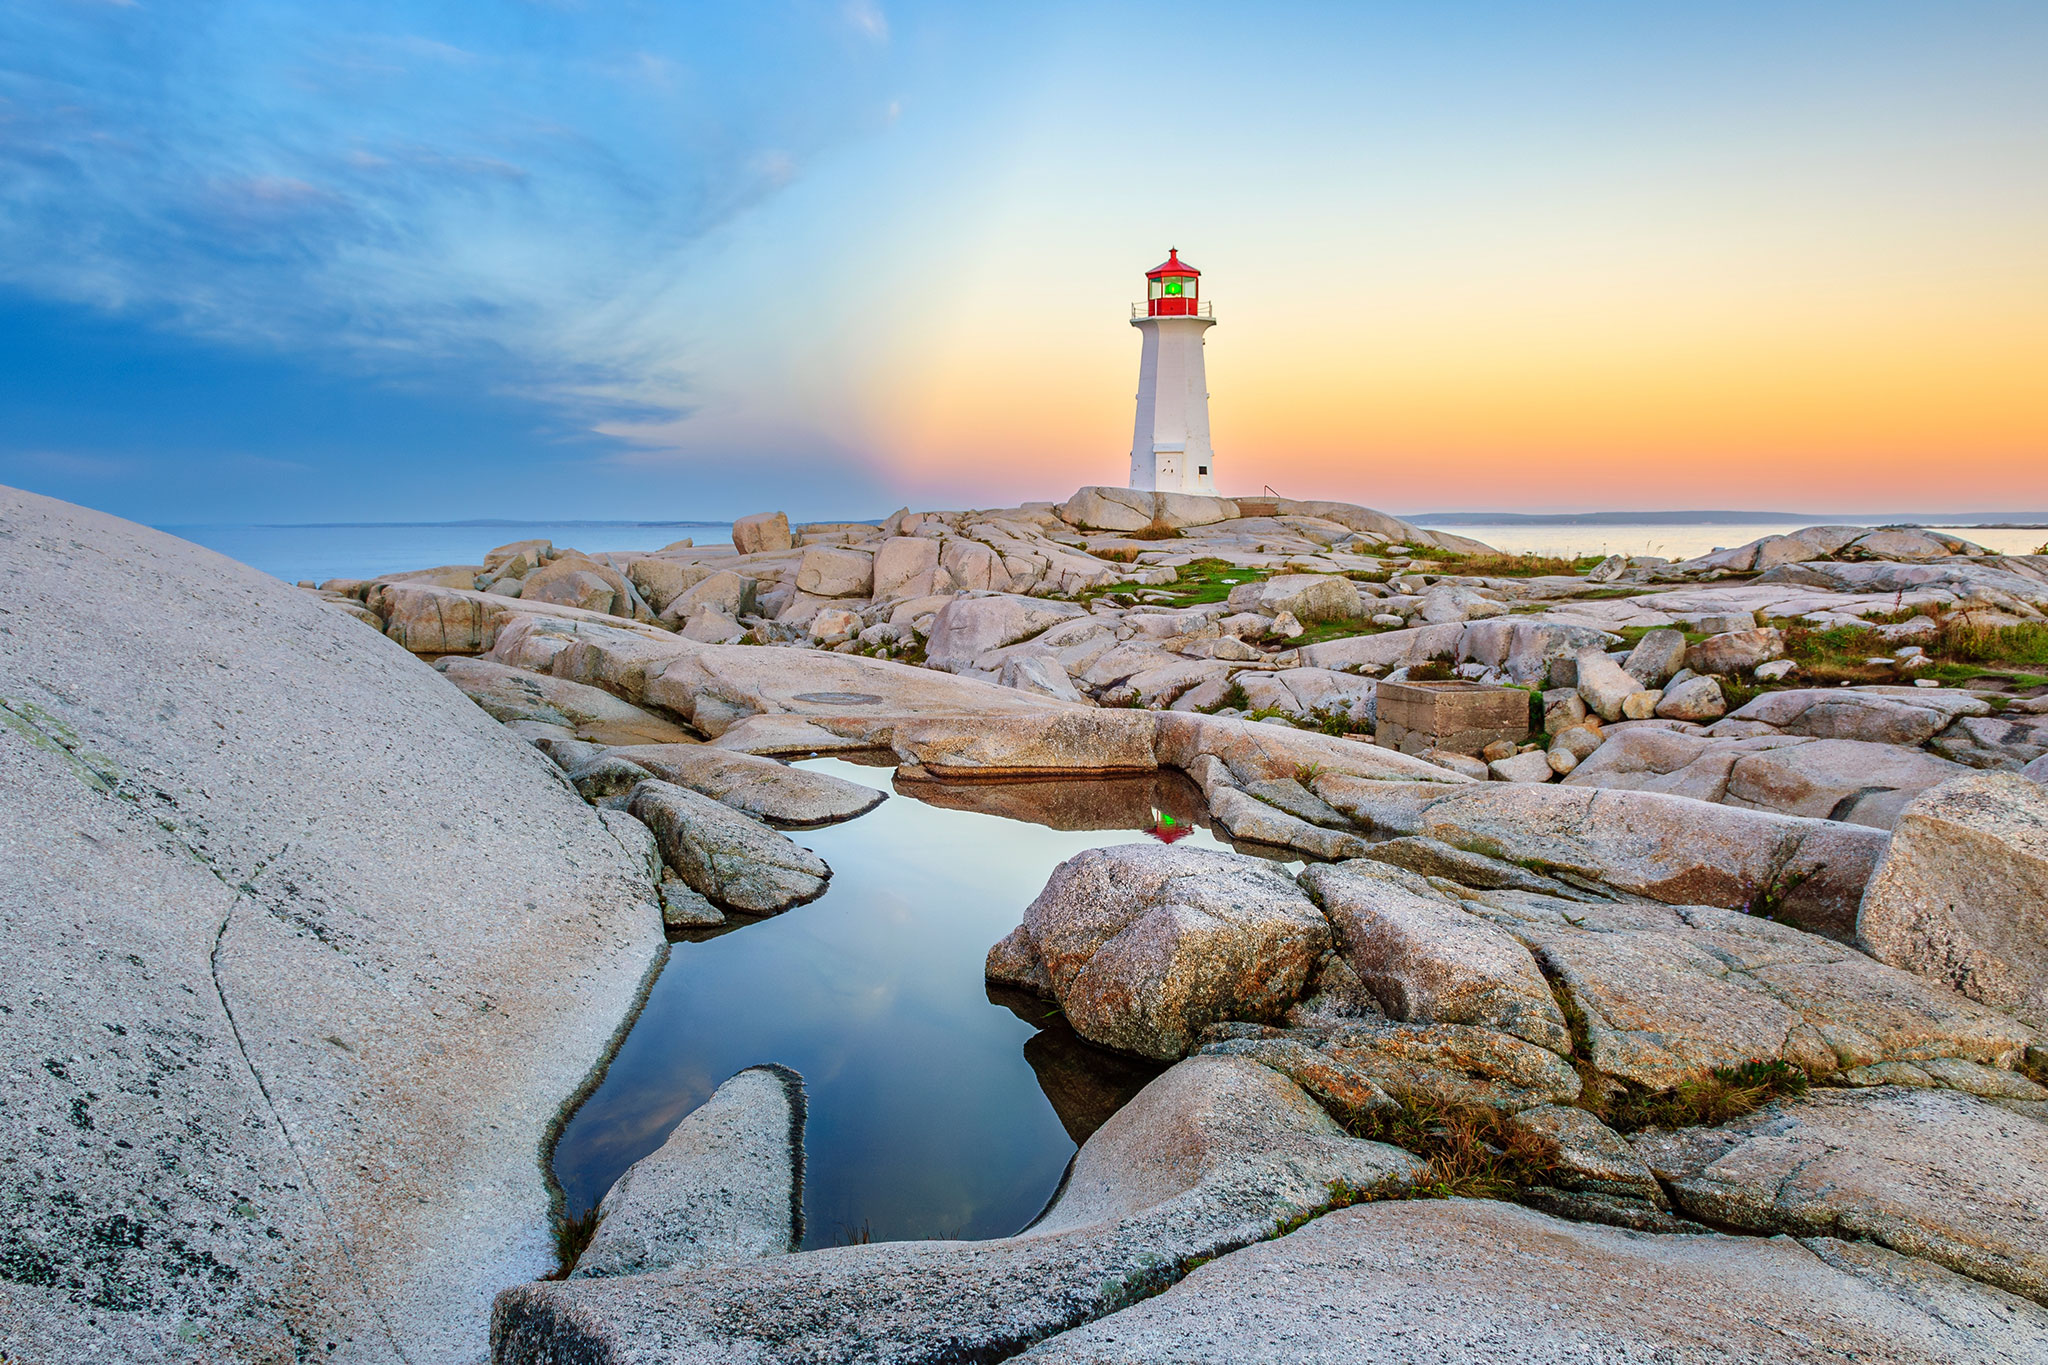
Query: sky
423, 260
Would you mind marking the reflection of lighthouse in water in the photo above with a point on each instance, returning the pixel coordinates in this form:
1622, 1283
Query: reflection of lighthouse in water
1170, 450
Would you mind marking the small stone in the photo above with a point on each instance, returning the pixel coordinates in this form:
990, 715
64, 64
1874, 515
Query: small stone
682, 908
1529, 767
1389, 620
1698, 698
1500, 748
1776, 671
1286, 626
1641, 705
1463, 764
1561, 761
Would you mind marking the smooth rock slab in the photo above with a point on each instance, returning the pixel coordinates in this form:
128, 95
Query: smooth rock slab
1667, 992
1962, 895
738, 863
590, 713
1666, 848
1472, 1282
305, 953
1215, 1153
1931, 1173
727, 1184
754, 786
1146, 945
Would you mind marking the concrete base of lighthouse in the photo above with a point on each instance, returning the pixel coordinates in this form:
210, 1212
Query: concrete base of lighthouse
1170, 447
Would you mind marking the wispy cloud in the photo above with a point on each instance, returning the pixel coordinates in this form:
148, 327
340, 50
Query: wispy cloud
451, 192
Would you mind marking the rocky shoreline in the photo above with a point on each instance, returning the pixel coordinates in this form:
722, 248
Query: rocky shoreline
1665, 978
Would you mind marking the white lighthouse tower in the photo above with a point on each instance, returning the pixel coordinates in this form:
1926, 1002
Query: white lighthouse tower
1170, 450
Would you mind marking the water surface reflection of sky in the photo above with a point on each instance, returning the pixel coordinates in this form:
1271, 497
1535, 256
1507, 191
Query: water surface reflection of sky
932, 1107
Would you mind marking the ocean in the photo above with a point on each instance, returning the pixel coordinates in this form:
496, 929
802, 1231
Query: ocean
365, 550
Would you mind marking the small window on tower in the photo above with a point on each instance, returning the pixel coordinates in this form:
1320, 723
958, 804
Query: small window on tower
1172, 283
1201, 469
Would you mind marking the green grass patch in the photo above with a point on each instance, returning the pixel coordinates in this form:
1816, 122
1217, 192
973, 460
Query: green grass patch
1198, 583
572, 1236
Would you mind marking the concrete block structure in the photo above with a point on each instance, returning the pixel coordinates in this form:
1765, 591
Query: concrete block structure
1463, 717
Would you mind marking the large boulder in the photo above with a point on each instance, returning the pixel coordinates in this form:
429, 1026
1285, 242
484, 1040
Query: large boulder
1145, 945
1604, 685
1214, 1154
829, 572
1666, 848
307, 953
727, 1185
904, 566
761, 533
1893, 716
725, 592
969, 627
537, 702
1425, 960
1736, 651
1131, 509
1931, 1173
1962, 894
738, 863
1663, 993
1459, 1281
1824, 779
1309, 596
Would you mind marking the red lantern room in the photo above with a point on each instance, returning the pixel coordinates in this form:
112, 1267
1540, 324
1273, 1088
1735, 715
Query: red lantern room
1174, 288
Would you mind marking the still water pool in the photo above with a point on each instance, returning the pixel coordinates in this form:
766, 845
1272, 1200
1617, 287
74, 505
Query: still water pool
935, 1110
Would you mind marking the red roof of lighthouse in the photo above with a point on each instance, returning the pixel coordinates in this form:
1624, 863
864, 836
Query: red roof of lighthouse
1173, 265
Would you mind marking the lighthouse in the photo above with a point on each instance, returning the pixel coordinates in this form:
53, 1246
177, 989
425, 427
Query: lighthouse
1170, 449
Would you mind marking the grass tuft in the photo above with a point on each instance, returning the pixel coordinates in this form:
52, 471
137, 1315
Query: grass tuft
1472, 1151
572, 1237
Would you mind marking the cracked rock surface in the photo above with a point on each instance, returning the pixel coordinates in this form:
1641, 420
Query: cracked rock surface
305, 953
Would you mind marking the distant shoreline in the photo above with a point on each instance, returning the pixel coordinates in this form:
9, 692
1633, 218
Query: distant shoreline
1976, 521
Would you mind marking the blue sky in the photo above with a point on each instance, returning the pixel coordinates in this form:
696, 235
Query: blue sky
404, 260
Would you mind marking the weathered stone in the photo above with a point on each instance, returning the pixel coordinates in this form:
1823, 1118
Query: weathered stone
1040, 675
591, 713
1665, 993
1962, 894
968, 627
739, 863
726, 1186
1432, 1064
1524, 649
1898, 716
1837, 779
1604, 685
260, 871
661, 581
1428, 962
1737, 651
1464, 765
1533, 766
905, 566
1454, 1282
828, 572
1589, 1156
1664, 847
1147, 945
760, 533
1215, 1153
1249, 820
683, 908
1695, 699
1640, 705
1930, 1173
576, 581
1305, 596
1655, 658
725, 592
1434, 858
754, 786
1289, 795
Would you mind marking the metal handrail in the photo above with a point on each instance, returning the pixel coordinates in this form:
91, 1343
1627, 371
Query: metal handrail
1203, 309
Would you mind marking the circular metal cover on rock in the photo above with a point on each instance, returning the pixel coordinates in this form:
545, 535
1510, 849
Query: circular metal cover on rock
839, 698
